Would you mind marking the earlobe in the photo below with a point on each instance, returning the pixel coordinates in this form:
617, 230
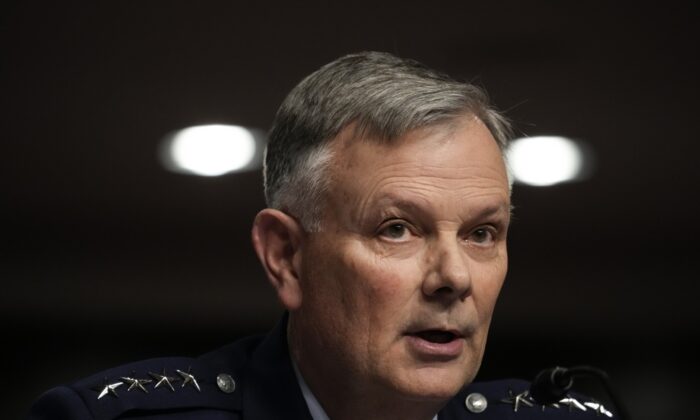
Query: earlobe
277, 239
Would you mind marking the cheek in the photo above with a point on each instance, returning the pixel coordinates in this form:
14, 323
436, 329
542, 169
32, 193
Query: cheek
386, 276
383, 285
487, 286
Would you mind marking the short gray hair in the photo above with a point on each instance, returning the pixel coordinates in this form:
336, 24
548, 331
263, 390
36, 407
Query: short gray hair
384, 96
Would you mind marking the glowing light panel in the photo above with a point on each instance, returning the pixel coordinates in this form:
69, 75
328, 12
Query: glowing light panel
210, 150
545, 160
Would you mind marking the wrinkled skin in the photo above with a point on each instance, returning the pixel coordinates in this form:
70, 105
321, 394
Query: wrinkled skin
413, 238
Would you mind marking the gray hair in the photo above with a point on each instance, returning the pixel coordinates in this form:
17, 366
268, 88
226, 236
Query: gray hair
383, 96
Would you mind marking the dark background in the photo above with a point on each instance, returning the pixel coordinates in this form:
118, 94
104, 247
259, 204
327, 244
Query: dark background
108, 258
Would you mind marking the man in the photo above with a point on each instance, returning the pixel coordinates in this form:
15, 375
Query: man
385, 241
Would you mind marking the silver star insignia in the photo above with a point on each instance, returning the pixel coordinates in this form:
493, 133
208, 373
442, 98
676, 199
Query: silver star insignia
598, 408
188, 378
552, 405
518, 399
108, 389
136, 383
163, 379
572, 402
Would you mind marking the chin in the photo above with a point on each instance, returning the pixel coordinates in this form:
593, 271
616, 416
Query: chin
434, 384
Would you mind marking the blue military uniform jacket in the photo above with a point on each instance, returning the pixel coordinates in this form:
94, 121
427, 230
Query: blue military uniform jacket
254, 379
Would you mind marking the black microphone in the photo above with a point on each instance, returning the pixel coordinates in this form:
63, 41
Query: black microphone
551, 385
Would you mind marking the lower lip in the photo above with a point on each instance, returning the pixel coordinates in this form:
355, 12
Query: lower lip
425, 348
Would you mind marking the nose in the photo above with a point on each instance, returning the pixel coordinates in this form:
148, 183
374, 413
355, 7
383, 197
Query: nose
448, 276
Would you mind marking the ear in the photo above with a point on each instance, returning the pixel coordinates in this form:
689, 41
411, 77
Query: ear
277, 241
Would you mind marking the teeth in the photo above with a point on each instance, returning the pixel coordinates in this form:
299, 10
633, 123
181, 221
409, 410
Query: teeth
436, 336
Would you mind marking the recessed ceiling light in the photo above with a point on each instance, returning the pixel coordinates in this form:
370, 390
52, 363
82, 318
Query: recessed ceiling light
545, 160
211, 150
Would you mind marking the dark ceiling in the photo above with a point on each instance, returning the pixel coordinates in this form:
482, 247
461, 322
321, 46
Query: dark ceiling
98, 237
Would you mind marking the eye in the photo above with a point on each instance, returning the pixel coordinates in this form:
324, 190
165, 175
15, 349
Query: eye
483, 236
395, 231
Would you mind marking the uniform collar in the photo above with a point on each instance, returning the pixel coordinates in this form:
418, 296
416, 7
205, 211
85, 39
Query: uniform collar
316, 411
271, 389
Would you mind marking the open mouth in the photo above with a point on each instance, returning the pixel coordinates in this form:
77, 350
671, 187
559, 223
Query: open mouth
436, 336
430, 345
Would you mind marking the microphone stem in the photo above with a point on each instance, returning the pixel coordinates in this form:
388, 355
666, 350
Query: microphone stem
622, 413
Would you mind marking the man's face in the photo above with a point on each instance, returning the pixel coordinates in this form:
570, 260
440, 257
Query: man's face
398, 287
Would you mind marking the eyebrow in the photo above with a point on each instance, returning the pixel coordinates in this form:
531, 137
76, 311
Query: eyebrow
490, 209
401, 203
495, 209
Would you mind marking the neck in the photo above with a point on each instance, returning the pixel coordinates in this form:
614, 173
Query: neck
344, 396
363, 406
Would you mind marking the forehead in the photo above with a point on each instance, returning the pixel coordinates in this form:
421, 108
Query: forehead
461, 155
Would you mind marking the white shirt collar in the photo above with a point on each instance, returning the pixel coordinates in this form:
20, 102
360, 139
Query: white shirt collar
315, 408
317, 412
